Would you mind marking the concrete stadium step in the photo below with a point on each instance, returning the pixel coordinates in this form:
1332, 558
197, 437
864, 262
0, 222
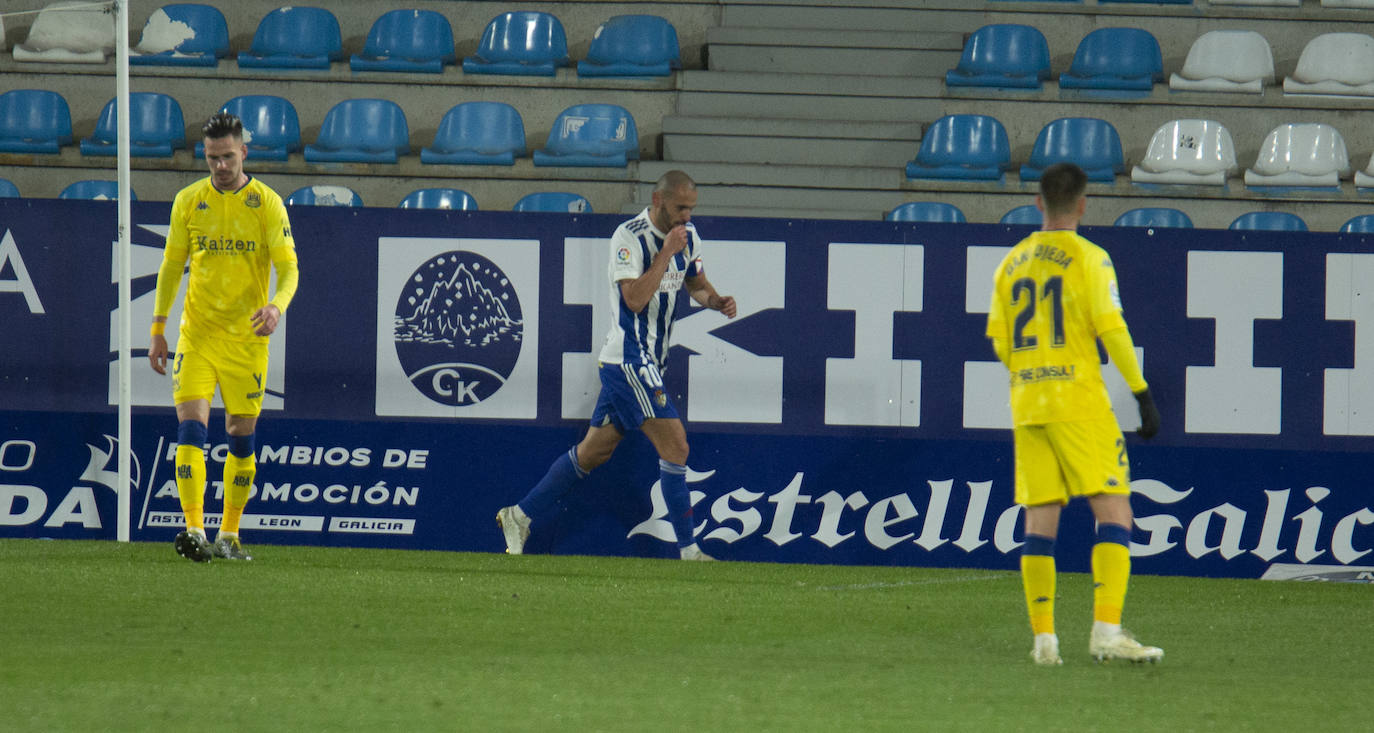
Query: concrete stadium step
808, 96
823, 178
786, 141
833, 52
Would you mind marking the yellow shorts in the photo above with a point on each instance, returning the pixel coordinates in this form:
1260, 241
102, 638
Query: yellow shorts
239, 369
1058, 461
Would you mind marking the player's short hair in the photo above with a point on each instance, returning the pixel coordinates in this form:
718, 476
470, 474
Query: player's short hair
1061, 185
674, 181
223, 124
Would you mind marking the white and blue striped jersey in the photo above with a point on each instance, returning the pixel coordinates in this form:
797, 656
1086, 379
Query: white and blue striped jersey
643, 338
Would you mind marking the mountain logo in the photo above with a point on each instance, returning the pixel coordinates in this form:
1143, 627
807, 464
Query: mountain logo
458, 328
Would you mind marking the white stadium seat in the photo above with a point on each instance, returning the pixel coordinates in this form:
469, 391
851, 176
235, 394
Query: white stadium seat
1195, 152
1365, 178
69, 32
1226, 61
1301, 154
1335, 63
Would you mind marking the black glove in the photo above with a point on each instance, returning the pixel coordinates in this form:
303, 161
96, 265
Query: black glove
1149, 414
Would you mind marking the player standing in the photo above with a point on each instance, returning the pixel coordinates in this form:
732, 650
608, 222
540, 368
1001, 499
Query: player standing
652, 257
233, 228
1054, 296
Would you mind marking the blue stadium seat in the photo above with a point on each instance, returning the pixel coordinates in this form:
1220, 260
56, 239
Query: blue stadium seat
524, 43
927, 211
1020, 215
554, 202
271, 128
478, 133
632, 45
8, 190
324, 196
1154, 217
439, 198
183, 34
1362, 224
966, 147
591, 135
407, 40
361, 131
295, 38
157, 130
1119, 59
34, 121
1275, 221
95, 190
1003, 55
1091, 143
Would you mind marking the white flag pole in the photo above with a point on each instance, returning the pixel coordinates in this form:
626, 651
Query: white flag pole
125, 251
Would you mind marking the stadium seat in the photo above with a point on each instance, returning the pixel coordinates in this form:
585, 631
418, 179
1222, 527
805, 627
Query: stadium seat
324, 196
927, 211
407, 40
295, 38
967, 147
1226, 61
1335, 63
439, 198
1154, 217
8, 190
478, 133
69, 32
1274, 221
1022, 215
95, 190
1365, 178
34, 121
553, 202
1362, 224
632, 45
361, 131
591, 135
1117, 59
157, 131
271, 128
524, 43
1002, 55
183, 35
1190, 152
1310, 154
1091, 143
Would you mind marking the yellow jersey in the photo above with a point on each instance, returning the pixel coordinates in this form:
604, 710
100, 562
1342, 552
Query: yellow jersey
1052, 296
232, 240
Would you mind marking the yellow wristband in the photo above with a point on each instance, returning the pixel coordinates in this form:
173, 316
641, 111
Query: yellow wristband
158, 328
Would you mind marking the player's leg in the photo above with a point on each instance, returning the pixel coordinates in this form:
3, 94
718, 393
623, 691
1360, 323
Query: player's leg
669, 438
1040, 489
193, 384
242, 370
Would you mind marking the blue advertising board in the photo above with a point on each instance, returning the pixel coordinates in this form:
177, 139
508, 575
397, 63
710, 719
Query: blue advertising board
434, 363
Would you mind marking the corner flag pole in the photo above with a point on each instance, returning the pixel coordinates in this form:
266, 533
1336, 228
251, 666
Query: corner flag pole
125, 252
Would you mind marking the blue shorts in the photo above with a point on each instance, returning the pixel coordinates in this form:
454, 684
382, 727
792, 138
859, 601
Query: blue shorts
630, 395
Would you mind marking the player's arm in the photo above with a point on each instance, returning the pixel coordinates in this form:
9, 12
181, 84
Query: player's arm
705, 294
1001, 348
174, 255
282, 249
637, 292
1121, 349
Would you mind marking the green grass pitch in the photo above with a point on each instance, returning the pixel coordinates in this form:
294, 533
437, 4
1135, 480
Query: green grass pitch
108, 637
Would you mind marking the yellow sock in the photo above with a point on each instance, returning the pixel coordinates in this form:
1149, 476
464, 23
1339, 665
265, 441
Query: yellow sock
238, 484
1111, 571
190, 467
1037, 578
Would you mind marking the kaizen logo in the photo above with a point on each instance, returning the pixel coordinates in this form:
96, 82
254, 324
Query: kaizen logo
458, 328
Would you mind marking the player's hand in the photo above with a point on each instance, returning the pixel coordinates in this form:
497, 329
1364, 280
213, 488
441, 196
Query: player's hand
676, 240
265, 320
723, 303
157, 354
1149, 414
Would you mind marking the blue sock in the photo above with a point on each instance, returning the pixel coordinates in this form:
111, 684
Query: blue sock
561, 477
673, 480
